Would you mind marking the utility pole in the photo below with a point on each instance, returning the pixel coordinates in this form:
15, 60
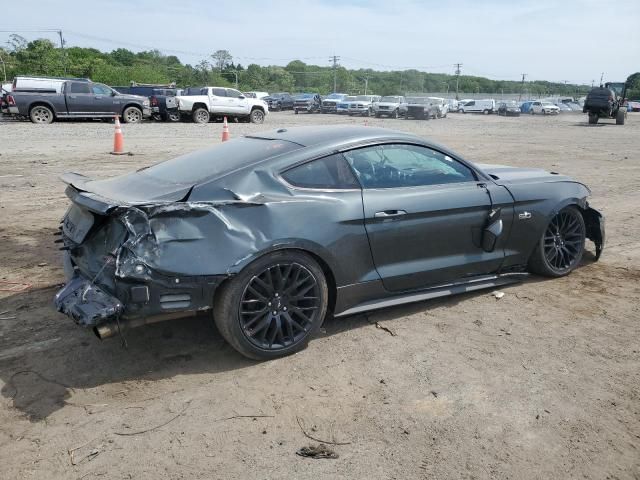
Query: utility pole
64, 56
335, 59
524, 75
601, 77
366, 84
457, 65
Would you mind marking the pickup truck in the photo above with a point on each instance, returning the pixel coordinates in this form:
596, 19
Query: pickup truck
216, 102
307, 102
388, 106
76, 99
330, 103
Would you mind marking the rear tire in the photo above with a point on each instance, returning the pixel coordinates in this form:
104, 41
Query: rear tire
201, 115
173, 116
485, 112
273, 306
41, 114
560, 248
621, 116
593, 118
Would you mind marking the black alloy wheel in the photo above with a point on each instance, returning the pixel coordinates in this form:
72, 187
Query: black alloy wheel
561, 247
273, 306
279, 306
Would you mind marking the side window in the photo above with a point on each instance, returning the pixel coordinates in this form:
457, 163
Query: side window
219, 92
470, 104
99, 89
329, 172
233, 93
400, 165
79, 87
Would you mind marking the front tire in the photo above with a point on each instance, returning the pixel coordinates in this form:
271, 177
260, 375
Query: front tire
593, 118
41, 114
132, 115
257, 116
273, 306
561, 246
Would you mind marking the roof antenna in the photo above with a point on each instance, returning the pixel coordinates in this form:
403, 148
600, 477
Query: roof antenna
601, 77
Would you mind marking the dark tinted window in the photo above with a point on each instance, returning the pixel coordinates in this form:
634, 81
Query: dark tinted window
219, 92
394, 166
328, 172
224, 158
77, 87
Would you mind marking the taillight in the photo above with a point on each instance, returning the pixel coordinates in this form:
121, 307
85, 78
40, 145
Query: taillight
11, 100
610, 98
154, 101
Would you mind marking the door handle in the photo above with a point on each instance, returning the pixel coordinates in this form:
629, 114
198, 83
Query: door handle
390, 213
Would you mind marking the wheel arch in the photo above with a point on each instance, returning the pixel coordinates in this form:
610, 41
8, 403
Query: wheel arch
41, 103
317, 252
132, 104
199, 105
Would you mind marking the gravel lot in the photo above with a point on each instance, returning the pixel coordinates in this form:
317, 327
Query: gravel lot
543, 383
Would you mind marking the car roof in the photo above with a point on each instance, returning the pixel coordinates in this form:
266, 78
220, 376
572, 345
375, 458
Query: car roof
333, 135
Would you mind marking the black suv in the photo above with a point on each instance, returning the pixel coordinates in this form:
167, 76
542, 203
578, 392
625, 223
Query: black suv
279, 101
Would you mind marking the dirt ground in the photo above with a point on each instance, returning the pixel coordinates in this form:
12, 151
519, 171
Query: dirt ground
542, 383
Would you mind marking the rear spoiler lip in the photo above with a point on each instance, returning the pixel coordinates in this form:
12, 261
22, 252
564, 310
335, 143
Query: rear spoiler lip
91, 201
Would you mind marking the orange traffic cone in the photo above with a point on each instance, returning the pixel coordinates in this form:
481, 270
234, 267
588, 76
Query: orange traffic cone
225, 130
118, 140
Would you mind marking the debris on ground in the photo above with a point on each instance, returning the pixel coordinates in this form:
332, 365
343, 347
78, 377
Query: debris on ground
317, 451
497, 294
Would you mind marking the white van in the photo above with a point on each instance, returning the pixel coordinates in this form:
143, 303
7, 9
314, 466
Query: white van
479, 106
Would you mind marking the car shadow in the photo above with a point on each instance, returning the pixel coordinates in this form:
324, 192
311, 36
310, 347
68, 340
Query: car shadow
45, 357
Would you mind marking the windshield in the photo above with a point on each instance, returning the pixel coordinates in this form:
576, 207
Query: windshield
390, 99
548, 104
364, 97
304, 96
335, 96
349, 99
216, 161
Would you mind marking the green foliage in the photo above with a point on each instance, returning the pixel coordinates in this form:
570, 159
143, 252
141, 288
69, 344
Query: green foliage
633, 86
121, 66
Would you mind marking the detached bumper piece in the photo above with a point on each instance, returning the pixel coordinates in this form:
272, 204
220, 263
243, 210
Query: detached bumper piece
87, 303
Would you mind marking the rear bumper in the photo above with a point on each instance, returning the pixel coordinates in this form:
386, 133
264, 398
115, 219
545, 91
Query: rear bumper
91, 305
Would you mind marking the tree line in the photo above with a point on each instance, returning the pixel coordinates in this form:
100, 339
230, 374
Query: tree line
121, 66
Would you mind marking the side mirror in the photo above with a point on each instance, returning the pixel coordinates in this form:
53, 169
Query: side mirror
113, 93
241, 97
492, 231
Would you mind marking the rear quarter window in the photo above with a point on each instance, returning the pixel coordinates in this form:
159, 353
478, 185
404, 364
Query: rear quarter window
330, 172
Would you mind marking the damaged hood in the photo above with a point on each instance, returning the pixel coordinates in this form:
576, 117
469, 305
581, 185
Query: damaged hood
131, 189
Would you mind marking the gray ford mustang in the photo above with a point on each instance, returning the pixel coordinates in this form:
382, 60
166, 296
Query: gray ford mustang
271, 232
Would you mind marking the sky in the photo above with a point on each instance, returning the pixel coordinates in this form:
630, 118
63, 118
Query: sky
569, 40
